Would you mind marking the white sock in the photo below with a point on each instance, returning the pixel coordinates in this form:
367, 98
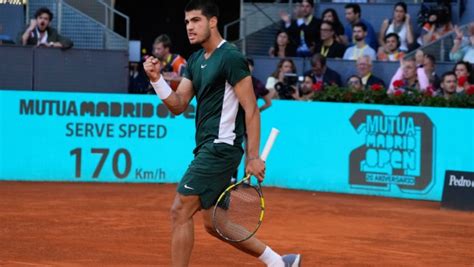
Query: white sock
271, 258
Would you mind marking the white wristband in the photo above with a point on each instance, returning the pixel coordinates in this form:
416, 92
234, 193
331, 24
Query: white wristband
161, 87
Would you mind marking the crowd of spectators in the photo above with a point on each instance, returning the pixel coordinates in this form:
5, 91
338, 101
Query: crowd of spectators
303, 34
306, 35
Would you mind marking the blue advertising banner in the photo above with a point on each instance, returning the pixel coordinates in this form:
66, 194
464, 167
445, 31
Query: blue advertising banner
394, 151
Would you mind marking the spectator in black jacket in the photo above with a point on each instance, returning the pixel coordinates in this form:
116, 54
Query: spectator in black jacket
328, 46
304, 31
40, 33
364, 70
322, 73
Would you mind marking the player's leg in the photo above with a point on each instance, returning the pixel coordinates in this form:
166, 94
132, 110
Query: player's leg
253, 246
182, 237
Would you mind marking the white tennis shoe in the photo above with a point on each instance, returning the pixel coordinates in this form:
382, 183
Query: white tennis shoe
292, 260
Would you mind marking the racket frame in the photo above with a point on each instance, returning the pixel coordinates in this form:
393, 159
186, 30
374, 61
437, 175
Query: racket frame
258, 188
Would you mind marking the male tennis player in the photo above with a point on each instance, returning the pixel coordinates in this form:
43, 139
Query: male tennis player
219, 77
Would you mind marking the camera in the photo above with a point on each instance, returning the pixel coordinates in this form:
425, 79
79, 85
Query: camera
286, 88
441, 12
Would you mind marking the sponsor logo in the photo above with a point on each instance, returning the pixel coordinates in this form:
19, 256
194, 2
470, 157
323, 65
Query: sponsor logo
71, 108
188, 187
396, 150
203, 66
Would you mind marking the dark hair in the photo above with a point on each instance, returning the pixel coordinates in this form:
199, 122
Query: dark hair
402, 5
309, 2
43, 10
354, 76
446, 74
360, 24
390, 35
208, 7
354, 7
164, 39
338, 27
250, 61
328, 23
318, 58
290, 49
468, 68
431, 58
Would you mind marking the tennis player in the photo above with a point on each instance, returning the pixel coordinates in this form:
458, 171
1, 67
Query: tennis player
219, 77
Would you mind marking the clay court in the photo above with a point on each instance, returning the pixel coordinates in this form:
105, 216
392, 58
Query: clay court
79, 224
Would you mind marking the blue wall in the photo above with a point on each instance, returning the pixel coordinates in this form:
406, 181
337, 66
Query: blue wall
347, 148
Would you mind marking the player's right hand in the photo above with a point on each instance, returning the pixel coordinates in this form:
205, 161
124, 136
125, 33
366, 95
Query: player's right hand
152, 68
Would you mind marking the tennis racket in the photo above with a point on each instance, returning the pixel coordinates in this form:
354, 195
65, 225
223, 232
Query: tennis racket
239, 210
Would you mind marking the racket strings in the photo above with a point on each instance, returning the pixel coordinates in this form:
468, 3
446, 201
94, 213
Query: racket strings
238, 213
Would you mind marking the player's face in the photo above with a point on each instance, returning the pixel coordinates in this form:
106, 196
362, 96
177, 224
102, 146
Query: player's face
198, 27
43, 21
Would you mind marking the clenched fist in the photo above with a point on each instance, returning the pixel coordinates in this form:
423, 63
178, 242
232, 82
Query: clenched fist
152, 68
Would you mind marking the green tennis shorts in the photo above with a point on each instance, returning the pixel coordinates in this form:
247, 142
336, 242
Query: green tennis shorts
210, 172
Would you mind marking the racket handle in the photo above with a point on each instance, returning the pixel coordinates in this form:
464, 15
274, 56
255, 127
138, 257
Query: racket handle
268, 145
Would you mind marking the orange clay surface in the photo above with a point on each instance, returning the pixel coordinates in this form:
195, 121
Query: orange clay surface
85, 224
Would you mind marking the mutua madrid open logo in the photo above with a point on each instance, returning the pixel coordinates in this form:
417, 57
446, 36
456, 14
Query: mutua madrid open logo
397, 150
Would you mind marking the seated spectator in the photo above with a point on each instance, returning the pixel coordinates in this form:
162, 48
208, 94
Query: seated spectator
354, 82
360, 48
283, 47
390, 51
306, 90
321, 73
448, 84
463, 49
419, 58
328, 46
438, 25
259, 88
5, 39
408, 76
463, 71
40, 33
305, 32
364, 70
353, 16
331, 15
400, 25
285, 66
172, 65
429, 65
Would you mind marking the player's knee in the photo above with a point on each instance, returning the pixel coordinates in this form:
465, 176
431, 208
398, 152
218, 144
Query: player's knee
182, 210
174, 213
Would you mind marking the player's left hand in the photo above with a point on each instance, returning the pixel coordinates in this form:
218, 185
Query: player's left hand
256, 167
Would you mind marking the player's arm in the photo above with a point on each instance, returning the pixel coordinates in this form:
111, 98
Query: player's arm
246, 96
178, 101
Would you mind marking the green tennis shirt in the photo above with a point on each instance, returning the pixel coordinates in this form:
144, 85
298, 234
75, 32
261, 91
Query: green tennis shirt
219, 116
